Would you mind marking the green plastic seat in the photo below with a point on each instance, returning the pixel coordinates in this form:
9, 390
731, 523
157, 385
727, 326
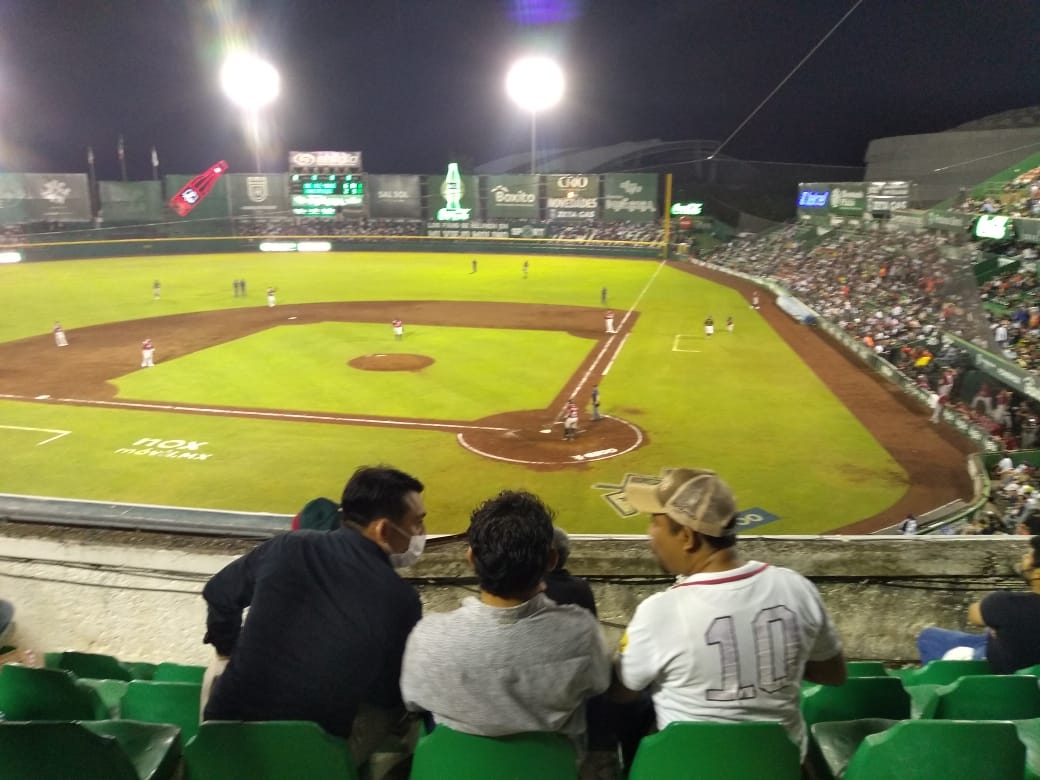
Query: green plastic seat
832, 743
1030, 670
171, 672
1029, 735
865, 669
985, 697
47, 694
944, 672
97, 666
717, 751
111, 693
96, 750
936, 750
271, 750
140, 670
164, 702
859, 697
445, 753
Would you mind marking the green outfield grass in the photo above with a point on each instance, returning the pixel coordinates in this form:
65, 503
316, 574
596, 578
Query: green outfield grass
741, 403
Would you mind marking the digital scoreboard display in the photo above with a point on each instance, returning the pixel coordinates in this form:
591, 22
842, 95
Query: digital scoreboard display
325, 194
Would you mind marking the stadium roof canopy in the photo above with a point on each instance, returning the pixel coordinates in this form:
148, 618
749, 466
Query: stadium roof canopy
1005, 120
648, 155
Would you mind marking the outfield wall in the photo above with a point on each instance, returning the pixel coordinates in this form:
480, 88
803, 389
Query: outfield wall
137, 596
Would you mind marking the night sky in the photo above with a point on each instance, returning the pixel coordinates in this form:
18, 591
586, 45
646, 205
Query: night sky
414, 84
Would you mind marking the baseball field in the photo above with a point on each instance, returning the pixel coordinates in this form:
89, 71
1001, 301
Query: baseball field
259, 409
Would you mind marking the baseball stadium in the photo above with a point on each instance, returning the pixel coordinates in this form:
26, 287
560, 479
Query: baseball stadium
190, 362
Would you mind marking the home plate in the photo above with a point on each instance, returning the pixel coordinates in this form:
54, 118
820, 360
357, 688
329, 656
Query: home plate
545, 430
42, 397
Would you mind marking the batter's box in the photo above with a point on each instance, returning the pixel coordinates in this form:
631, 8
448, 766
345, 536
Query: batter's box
685, 342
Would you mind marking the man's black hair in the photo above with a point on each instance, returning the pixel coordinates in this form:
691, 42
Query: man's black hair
373, 492
511, 536
1034, 542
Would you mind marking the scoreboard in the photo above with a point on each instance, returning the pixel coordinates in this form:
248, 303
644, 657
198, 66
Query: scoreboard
325, 194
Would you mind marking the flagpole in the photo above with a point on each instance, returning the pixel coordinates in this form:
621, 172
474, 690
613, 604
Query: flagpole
92, 183
155, 165
121, 153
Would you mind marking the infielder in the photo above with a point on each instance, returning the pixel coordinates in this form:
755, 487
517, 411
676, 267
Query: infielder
147, 354
270, 297
709, 326
729, 323
398, 329
570, 420
608, 320
59, 336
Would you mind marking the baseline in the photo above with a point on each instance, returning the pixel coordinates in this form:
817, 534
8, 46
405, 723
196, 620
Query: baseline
60, 433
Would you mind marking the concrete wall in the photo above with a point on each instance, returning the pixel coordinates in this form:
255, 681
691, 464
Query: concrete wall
136, 596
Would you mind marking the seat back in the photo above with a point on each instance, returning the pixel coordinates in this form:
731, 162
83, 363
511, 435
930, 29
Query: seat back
986, 697
1033, 670
170, 672
717, 751
58, 750
859, 697
945, 672
111, 693
927, 749
865, 669
94, 665
447, 753
46, 694
163, 702
272, 750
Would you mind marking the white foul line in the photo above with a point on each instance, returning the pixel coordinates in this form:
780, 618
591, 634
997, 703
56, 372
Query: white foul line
616, 353
59, 432
217, 410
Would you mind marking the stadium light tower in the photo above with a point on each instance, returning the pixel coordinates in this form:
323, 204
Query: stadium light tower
252, 84
534, 84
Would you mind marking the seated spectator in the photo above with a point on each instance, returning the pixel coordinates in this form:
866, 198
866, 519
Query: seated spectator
328, 617
732, 640
511, 660
318, 514
1012, 640
562, 586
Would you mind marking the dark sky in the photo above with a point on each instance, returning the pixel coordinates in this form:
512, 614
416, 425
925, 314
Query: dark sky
414, 84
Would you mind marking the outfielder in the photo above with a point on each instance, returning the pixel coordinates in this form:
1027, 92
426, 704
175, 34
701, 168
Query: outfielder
59, 336
570, 420
729, 323
398, 327
270, 297
709, 326
608, 320
147, 354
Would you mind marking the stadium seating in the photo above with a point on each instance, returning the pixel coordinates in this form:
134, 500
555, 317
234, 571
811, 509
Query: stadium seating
859, 697
47, 694
94, 665
97, 750
273, 750
986, 697
920, 749
941, 672
110, 692
865, 669
163, 702
717, 751
171, 672
1030, 670
446, 753
1029, 735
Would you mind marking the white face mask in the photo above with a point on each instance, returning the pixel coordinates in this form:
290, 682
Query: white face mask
416, 545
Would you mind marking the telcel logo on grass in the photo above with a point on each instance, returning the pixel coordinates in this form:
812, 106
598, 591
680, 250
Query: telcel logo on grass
179, 449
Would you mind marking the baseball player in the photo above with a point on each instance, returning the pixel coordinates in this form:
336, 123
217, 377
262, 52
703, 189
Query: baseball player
59, 336
729, 323
570, 420
608, 320
270, 297
147, 354
709, 326
754, 299
398, 329
595, 403
525, 269
156, 287
603, 297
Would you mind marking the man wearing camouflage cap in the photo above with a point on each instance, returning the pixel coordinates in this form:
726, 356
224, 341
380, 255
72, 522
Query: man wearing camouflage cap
732, 639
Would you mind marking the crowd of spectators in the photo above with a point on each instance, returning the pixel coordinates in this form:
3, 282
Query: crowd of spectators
1019, 197
319, 226
616, 233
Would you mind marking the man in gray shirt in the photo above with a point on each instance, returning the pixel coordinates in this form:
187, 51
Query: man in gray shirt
511, 660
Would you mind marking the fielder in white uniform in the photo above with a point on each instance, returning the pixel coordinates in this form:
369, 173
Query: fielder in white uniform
59, 336
147, 354
608, 320
270, 297
732, 640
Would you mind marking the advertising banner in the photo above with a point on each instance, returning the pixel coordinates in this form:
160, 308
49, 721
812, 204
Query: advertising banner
1000, 369
512, 197
888, 196
130, 202
630, 197
57, 197
13, 199
452, 197
468, 229
258, 194
948, 221
214, 206
572, 196
848, 198
394, 196
1028, 230
909, 220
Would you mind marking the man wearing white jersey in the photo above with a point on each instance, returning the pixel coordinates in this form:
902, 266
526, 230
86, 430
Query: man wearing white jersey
731, 640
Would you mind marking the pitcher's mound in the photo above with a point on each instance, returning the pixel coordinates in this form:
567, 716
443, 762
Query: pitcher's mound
391, 362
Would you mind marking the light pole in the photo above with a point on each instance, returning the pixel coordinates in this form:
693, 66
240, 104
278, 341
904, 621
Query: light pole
250, 83
534, 84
